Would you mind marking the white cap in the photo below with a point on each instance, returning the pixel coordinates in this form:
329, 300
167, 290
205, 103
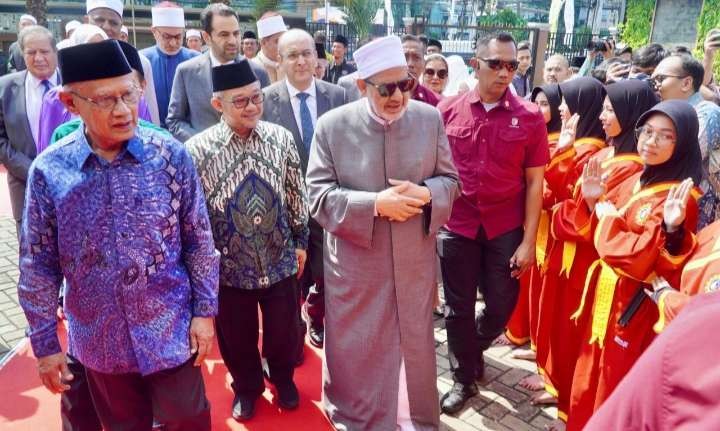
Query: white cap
27, 17
65, 43
116, 5
124, 31
270, 26
168, 15
72, 25
380, 54
192, 33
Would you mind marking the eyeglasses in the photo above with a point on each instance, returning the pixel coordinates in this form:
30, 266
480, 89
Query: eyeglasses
647, 132
107, 103
657, 80
243, 102
171, 37
387, 90
496, 64
441, 74
307, 54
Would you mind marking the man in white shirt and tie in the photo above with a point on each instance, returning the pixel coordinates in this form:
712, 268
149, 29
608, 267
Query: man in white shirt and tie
21, 95
296, 103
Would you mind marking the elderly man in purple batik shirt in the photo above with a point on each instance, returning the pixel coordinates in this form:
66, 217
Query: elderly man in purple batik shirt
119, 212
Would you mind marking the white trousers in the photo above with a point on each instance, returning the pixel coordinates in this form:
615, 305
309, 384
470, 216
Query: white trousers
404, 422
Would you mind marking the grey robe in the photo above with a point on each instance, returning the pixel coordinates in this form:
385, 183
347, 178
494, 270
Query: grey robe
379, 276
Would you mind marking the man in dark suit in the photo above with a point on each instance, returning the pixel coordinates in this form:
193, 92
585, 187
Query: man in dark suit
190, 111
296, 103
21, 95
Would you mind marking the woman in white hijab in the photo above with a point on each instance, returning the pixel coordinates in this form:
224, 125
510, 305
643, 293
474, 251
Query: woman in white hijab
459, 79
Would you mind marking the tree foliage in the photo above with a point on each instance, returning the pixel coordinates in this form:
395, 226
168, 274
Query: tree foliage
360, 14
503, 18
708, 20
635, 31
38, 9
262, 6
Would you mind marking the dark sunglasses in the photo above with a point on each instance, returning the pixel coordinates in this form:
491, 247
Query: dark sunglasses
441, 74
495, 64
387, 90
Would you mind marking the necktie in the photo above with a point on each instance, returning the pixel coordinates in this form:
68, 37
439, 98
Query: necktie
46, 84
305, 121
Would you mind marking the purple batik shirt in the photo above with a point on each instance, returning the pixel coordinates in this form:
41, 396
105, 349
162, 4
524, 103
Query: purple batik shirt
133, 241
53, 113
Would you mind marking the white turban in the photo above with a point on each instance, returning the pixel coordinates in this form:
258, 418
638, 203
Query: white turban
380, 54
72, 25
85, 32
168, 15
116, 5
192, 33
27, 17
270, 26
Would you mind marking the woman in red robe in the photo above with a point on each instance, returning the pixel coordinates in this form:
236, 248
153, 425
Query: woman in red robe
581, 137
518, 330
630, 243
573, 229
700, 275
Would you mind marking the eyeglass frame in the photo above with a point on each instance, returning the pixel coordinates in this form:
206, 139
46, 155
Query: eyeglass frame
514, 64
654, 79
382, 88
166, 37
94, 100
655, 135
246, 100
436, 72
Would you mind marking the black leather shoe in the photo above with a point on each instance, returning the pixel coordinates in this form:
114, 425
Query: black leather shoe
316, 336
480, 367
243, 407
454, 400
288, 397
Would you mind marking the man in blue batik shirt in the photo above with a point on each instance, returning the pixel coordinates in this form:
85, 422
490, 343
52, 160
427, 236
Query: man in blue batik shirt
119, 212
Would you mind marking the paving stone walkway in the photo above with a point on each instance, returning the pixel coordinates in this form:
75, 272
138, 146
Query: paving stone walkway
501, 404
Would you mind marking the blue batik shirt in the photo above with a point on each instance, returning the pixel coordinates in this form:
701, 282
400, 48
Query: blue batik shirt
133, 240
709, 137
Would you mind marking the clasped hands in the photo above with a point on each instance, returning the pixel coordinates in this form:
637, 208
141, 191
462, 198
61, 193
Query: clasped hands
402, 200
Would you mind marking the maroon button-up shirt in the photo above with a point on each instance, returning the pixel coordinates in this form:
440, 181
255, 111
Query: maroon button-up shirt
491, 151
424, 94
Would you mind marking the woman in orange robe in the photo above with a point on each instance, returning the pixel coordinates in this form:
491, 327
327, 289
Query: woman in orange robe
582, 136
630, 243
518, 330
573, 230
700, 275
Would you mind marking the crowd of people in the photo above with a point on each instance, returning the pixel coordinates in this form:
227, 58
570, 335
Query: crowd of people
162, 196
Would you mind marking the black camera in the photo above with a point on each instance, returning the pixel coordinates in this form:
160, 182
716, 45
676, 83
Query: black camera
599, 45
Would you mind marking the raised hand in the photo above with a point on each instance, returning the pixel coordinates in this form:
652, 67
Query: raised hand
593, 185
676, 204
567, 133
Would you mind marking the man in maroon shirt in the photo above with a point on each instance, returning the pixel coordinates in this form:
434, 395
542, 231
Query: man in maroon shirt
415, 58
499, 145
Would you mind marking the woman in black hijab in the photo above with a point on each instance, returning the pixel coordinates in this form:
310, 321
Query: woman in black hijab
583, 96
625, 102
634, 241
668, 143
548, 99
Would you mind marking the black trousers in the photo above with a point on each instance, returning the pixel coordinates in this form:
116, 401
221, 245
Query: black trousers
174, 397
315, 298
237, 330
77, 411
467, 264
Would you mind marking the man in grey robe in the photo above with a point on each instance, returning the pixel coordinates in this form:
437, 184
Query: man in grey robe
381, 182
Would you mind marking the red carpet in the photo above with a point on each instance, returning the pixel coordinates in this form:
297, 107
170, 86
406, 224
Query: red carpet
27, 406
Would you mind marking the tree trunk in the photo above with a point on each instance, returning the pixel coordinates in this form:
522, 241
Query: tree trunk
38, 9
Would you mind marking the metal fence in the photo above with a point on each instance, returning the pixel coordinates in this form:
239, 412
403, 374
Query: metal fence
570, 44
459, 40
